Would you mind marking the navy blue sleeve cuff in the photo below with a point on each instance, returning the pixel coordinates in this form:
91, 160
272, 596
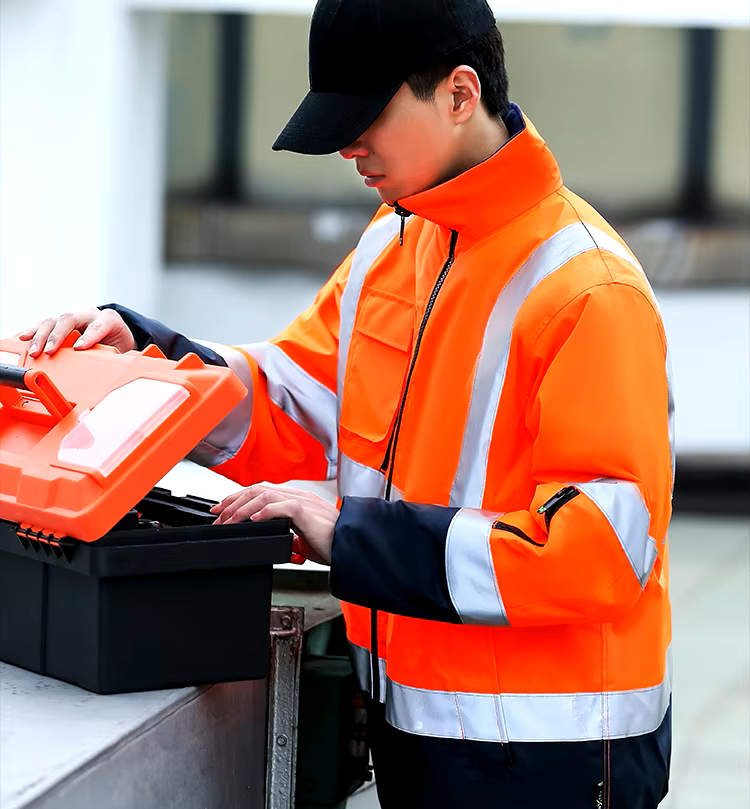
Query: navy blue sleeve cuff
174, 346
391, 557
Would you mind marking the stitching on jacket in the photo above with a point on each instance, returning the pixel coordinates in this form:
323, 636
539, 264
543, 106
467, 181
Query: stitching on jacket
458, 714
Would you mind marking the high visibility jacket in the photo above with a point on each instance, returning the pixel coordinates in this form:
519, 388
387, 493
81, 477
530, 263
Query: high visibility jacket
490, 357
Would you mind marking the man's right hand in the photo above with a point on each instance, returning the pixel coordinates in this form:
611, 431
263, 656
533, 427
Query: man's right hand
96, 326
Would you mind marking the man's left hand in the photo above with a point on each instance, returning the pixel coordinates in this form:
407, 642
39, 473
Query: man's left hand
313, 518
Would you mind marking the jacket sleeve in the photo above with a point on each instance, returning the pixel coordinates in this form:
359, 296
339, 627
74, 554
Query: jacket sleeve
286, 427
173, 345
588, 543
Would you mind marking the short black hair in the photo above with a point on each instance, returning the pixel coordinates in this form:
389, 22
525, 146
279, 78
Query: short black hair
487, 56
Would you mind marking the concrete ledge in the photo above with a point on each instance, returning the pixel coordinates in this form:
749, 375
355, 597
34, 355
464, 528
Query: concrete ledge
673, 254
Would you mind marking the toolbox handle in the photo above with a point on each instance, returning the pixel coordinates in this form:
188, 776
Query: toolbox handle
38, 383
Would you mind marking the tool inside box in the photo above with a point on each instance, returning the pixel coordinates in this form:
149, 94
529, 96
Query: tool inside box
160, 510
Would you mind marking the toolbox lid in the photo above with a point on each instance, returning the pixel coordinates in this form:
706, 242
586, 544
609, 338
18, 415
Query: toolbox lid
84, 435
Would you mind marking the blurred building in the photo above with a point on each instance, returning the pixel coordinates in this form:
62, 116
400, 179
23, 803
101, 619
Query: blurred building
646, 122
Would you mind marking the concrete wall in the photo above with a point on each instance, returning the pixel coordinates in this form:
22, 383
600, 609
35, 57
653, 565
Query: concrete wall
81, 91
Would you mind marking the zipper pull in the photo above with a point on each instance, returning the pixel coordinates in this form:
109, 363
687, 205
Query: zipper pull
404, 214
557, 501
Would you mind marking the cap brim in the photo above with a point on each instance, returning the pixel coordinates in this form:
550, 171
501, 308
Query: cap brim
328, 122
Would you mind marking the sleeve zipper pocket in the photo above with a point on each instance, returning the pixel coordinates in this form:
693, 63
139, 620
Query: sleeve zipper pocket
556, 502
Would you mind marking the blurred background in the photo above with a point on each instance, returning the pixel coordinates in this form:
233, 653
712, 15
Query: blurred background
136, 166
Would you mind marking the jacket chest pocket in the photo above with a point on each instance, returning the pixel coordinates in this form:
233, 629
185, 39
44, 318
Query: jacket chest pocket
379, 354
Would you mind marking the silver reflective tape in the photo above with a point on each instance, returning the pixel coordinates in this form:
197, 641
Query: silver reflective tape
529, 717
306, 401
372, 243
362, 664
489, 378
383, 679
357, 480
360, 658
225, 440
468, 566
604, 241
622, 504
468, 485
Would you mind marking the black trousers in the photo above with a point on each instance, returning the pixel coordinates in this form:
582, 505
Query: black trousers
421, 772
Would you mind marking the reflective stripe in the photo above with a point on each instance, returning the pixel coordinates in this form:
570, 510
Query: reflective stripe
518, 717
356, 479
468, 566
528, 717
621, 503
371, 244
362, 664
225, 440
670, 412
360, 658
306, 401
489, 378
604, 241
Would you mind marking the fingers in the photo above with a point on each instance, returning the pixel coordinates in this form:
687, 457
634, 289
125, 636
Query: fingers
292, 509
249, 501
47, 335
94, 333
312, 517
229, 505
227, 501
96, 326
38, 334
81, 321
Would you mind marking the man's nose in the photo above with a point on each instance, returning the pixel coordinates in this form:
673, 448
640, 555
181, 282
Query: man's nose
356, 149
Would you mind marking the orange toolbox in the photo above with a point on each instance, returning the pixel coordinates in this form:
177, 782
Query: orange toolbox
105, 581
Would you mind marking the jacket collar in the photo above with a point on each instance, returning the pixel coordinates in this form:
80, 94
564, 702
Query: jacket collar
493, 193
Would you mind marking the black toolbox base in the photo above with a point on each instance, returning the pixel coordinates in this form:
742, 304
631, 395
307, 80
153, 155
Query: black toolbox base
137, 633
167, 629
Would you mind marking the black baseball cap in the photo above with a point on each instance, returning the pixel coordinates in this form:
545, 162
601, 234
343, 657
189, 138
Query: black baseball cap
362, 51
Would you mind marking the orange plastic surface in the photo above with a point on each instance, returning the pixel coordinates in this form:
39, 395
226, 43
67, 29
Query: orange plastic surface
97, 429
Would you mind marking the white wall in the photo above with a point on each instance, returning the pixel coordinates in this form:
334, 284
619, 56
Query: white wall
81, 108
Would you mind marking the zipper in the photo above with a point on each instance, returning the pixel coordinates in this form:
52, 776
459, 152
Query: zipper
511, 529
556, 502
389, 460
390, 453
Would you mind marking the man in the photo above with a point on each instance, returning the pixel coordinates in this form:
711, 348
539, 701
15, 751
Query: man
486, 377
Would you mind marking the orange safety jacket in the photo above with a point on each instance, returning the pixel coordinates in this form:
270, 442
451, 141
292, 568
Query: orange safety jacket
490, 357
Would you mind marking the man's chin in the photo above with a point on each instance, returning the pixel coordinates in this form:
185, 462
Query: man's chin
388, 197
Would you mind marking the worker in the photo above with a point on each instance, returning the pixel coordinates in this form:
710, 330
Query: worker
486, 376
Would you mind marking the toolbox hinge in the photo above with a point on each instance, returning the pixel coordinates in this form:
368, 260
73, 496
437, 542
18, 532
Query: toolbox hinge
42, 542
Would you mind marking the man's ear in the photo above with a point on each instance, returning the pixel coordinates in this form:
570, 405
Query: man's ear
466, 90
